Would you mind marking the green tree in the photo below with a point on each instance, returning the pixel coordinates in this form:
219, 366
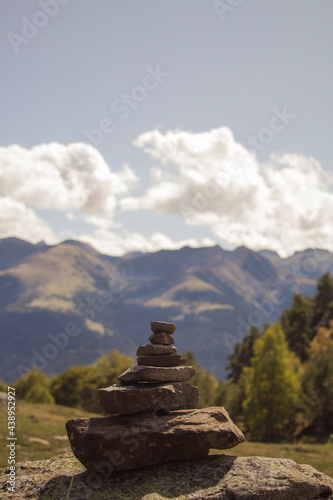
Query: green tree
328, 316
296, 323
317, 383
206, 383
231, 395
39, 394
111, 366
322, 299
78, 386
242, 355
67, 387
34, 386
272, 387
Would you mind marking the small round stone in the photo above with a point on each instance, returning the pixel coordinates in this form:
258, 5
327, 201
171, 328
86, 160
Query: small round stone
161, 338
147, 350
162, 326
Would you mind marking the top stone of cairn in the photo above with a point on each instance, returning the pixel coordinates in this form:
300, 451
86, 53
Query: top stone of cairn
161, 326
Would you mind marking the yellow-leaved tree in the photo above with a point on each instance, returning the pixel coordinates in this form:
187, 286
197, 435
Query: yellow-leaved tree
272, 387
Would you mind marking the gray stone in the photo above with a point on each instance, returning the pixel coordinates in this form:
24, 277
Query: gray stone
150, 439
161, 338
162, 326
129, 399
157, 374
217, 477
145, 350
162, 360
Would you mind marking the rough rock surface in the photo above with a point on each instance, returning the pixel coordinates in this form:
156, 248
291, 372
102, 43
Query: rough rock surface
149, 439
162, 326
161, 338
217, 477
144, 373
129, 399
161, 360
145, 350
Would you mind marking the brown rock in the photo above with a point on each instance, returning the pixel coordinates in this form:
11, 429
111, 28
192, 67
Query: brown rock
124, 400
157, 374
145, 350
217, 477
162, 360
150, 439
161, 326
161, 338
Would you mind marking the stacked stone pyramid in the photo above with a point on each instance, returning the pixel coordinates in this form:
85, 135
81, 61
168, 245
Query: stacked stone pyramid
146, 426
157, 383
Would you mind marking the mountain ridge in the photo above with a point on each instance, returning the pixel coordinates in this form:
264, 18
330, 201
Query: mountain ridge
212, 294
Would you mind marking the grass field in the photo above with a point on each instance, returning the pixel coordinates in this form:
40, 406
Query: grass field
44, 436
40, 430
320, 456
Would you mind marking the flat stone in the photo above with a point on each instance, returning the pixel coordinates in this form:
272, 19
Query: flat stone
124, 400
161, 326
151, 438
162, 360
217, 477
161, 338
143, 350
144, 373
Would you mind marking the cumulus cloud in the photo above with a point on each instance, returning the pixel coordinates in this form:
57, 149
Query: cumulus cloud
284, 204
18, 220
60, 177
113, 243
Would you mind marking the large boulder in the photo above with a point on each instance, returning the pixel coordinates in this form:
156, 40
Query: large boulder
128, 442
217, 477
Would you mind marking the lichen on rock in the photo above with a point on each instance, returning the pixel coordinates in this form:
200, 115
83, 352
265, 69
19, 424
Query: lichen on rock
217, 477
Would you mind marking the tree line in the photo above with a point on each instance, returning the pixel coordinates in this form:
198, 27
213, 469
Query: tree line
280, 380
279, 384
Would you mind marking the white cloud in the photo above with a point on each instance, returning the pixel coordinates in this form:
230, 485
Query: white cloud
18, 220
284, 204
112, 243
60, 177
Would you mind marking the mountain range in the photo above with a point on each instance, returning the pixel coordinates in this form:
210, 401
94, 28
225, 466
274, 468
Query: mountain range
67, 304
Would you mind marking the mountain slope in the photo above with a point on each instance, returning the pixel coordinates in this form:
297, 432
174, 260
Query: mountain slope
108, 302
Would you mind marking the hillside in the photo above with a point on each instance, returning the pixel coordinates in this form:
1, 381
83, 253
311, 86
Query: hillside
42, 432
105, 302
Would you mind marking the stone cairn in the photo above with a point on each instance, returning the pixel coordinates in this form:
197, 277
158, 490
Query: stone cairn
146, 425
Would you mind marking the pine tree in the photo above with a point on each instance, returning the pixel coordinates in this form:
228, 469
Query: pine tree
317, 383
322, 300
296, 323
272, 387
242, 355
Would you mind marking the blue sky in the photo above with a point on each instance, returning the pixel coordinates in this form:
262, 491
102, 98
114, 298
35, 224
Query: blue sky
216, 123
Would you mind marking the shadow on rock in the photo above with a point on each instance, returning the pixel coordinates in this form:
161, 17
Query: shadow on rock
149, 483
